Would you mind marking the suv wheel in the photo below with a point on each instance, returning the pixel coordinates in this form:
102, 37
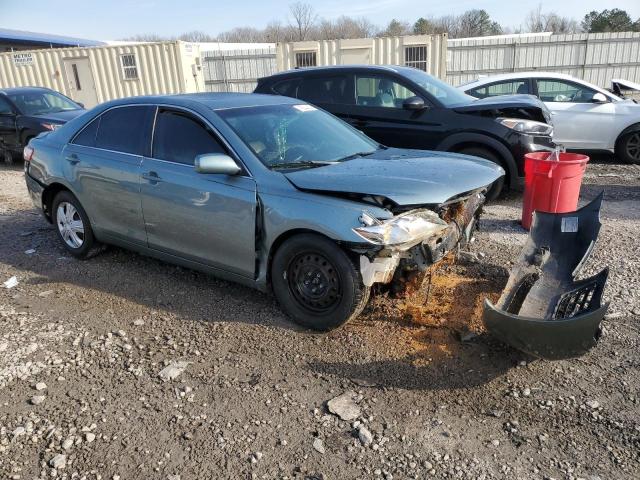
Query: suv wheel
7, 157
628, 147
73, 227
316, 282
497, 187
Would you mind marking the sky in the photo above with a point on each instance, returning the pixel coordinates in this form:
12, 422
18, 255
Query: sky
118, 19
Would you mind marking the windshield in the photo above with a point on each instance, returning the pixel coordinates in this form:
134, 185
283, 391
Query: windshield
39, 103
445, 93
286, 136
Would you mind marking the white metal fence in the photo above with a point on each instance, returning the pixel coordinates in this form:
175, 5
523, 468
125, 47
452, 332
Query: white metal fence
594, 57
237, 70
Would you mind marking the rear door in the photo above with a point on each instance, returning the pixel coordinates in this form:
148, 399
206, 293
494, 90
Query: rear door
333, 93
102, 163
379, 113
578, 122
206, 218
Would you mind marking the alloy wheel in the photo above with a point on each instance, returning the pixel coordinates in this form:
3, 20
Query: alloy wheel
70, 225
633, 146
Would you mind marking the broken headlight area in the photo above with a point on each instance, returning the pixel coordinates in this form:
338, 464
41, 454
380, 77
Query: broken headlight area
544, 311
411, 242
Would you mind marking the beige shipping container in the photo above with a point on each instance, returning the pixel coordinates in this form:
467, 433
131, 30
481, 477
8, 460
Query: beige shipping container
426, 52
92, 75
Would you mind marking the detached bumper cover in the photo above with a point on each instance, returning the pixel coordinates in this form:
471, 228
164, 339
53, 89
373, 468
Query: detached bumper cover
543, 310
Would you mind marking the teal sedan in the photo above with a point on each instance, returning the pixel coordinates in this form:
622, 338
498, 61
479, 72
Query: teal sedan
263, 190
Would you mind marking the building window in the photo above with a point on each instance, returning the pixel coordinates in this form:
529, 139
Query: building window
416, 57
306, 59
129, 67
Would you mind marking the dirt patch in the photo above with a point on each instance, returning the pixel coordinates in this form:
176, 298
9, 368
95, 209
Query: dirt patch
443, 309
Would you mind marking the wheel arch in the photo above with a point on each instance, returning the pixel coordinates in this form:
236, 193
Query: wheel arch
48, 194
458, 142
631, 128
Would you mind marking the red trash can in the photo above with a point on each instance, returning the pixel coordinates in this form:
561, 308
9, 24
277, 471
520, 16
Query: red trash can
549, 185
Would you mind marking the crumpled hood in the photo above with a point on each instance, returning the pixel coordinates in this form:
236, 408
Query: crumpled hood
508, 104
59, 117
406, 177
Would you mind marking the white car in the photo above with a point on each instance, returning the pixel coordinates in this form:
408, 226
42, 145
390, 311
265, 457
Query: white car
585, 117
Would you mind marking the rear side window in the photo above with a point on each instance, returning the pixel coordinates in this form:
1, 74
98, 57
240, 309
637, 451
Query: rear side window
123, 129
326, 90
179, 138
87, 136
287, 88
5, 108
502, 88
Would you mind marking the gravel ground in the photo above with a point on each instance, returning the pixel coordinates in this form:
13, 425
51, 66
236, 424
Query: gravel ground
122, 367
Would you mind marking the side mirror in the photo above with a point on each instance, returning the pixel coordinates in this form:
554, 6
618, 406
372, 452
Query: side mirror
413, 103
599, 98
216, 163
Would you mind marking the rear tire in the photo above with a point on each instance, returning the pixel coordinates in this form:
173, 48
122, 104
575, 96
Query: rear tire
316, 283
73, 226
628, 147
7, 157
497, 188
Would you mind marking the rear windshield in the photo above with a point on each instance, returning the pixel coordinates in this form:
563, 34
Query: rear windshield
39, 103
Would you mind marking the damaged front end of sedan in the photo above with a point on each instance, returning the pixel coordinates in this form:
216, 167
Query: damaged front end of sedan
545, 310
409, 243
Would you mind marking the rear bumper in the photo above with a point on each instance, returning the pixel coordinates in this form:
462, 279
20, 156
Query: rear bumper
35, 190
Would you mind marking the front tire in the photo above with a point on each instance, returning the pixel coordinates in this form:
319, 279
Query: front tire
316, 283
73, 226
497, 188
628, 148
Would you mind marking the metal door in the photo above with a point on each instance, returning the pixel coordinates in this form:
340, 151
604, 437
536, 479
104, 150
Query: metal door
82, 86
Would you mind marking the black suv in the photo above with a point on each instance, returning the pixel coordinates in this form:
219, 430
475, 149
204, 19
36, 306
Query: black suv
27, 111
405, 107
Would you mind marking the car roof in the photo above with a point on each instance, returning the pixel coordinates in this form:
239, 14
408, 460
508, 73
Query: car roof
214, 101
11, 90
515, 76
337, 68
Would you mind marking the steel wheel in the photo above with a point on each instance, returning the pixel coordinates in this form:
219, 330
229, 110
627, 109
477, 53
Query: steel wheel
633, 146
314, 282
70, 225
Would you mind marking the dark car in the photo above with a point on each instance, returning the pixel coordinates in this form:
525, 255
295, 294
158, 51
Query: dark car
27, 111
405, 107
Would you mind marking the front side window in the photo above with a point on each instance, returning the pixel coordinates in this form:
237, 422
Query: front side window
332, 90
290, 136
180, 138
552, 90
510, 87
122, 129
40, 103
374, 91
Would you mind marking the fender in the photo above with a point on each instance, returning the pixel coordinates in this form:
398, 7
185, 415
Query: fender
452, 141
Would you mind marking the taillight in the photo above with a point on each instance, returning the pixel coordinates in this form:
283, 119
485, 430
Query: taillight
27, 153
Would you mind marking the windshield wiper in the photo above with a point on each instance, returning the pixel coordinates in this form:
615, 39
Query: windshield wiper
356, 155
308, 163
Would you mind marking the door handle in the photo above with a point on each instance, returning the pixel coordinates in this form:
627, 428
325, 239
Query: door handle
72, 159
152, 177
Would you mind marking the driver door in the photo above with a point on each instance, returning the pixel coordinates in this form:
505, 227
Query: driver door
206, 218
379, 113
578, 122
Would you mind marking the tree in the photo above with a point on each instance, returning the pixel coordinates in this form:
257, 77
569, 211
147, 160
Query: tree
477, 23
396, 28
304, 17
196, 36
537, 21
423, 26
614, 20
